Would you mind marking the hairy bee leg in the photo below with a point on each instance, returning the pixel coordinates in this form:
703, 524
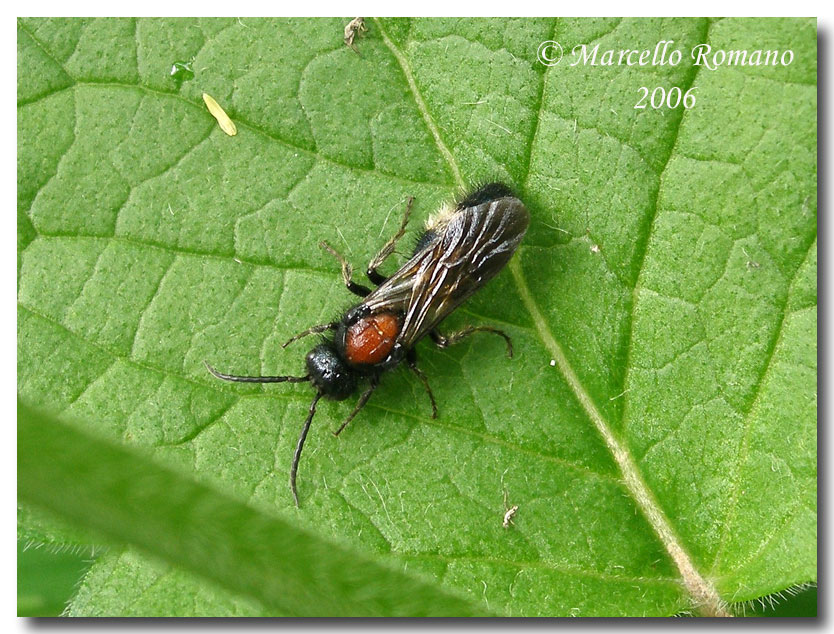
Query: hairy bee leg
347, 272
372, 273
311, 331
411, 359
359, 405
445, 341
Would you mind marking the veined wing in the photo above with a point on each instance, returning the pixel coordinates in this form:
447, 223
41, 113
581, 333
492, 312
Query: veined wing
395, 293
471, 248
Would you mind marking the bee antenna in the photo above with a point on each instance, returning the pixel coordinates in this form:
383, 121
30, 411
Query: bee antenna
256, 379
300, 446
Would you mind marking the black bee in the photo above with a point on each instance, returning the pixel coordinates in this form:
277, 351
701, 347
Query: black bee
463, 247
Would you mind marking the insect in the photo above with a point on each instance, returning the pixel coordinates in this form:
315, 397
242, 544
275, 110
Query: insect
464, 246
509, 512
353, 28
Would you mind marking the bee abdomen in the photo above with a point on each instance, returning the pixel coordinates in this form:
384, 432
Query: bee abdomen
370, 340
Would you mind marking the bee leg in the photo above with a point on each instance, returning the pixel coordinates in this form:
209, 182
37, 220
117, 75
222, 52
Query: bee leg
372, 273
411, 359
347, 272
359, 405
311, 331
445, 341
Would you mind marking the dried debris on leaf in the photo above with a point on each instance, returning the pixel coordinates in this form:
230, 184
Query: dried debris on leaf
226, 123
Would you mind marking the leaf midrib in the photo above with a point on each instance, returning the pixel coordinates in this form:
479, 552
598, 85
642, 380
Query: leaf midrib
621, 457
701, 590
516, 270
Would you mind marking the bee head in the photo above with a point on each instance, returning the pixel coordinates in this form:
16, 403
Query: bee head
329, 374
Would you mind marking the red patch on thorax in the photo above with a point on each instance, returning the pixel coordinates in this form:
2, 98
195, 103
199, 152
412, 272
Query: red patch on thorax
370, 340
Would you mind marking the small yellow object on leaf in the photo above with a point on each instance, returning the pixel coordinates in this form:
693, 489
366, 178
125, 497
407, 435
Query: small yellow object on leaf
226, 124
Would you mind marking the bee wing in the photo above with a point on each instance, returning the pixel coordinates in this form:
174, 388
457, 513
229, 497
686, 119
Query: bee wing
474, 245
395, 293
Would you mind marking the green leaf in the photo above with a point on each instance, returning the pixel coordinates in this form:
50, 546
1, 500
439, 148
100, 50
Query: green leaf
279, 564
657, 426
47, 579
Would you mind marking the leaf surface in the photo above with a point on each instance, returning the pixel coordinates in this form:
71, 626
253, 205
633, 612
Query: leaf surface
657, 427
281, 565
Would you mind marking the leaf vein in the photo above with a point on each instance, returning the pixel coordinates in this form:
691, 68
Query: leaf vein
742, 455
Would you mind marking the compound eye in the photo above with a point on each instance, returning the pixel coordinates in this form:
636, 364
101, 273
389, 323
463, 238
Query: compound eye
370, 340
